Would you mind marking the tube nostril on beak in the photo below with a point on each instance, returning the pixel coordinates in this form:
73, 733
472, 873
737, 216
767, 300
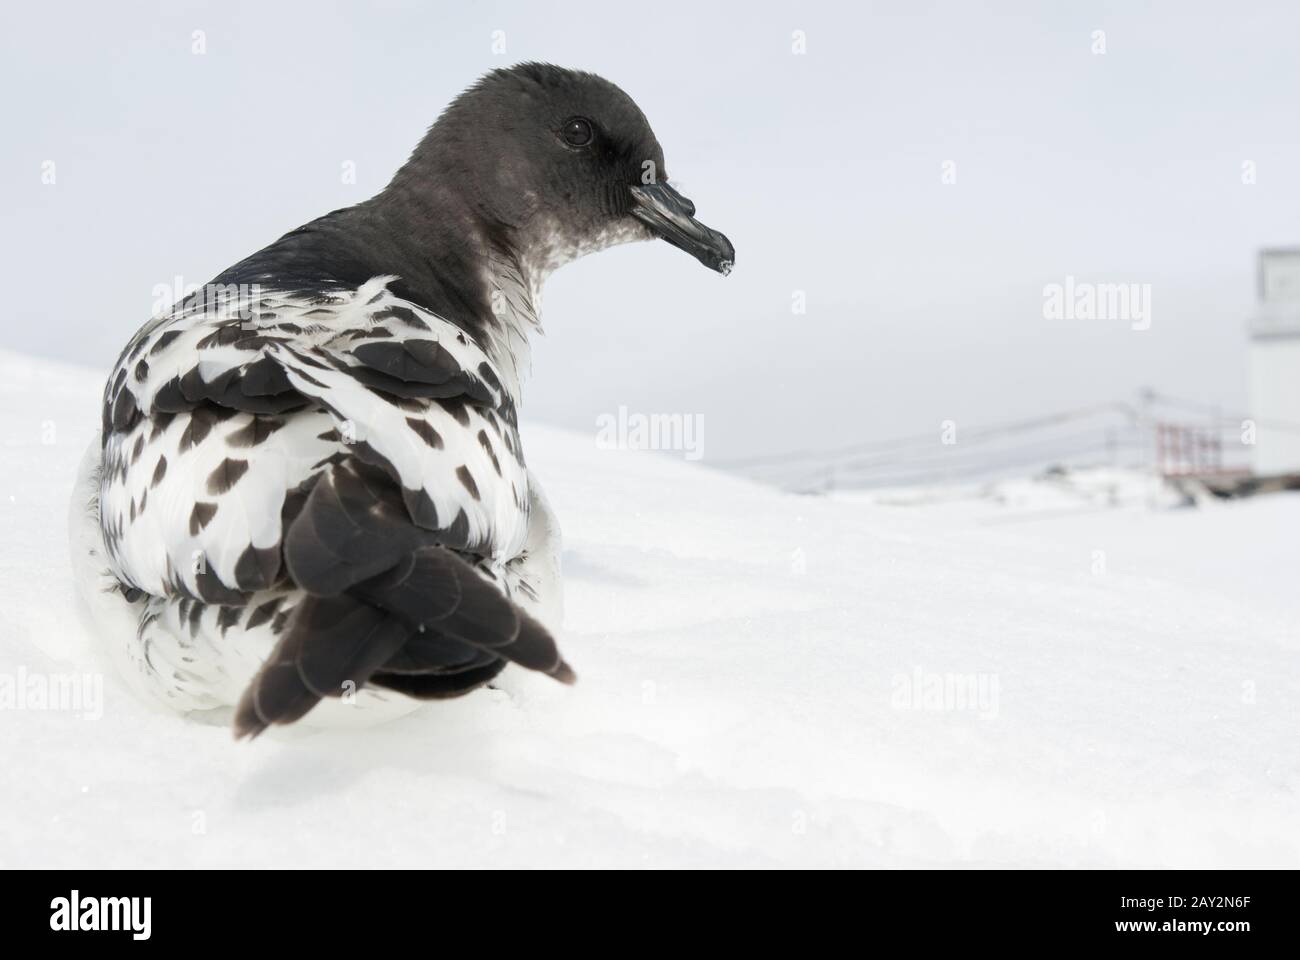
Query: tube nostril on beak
671, 216
687, 206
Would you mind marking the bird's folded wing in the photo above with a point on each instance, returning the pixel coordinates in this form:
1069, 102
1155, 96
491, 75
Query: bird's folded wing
214, 417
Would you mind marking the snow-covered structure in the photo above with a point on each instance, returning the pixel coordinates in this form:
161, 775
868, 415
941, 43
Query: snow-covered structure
1275, 363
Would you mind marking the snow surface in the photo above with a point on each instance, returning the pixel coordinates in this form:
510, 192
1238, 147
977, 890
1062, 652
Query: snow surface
761, 684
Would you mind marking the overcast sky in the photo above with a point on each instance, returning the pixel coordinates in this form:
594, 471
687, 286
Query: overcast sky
924, 299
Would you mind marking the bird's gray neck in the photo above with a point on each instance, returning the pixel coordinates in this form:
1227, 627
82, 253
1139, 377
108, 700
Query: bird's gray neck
479, 273
516, 276
515, 300
484, 277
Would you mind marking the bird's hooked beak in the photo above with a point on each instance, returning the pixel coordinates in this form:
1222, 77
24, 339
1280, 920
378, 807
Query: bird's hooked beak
671, 216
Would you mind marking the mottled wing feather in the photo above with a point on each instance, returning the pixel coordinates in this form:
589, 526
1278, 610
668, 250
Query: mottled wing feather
215, 417
457, 461
203, 517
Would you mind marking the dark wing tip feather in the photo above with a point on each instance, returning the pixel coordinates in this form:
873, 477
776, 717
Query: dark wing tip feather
387, 607
564, 673
276, 695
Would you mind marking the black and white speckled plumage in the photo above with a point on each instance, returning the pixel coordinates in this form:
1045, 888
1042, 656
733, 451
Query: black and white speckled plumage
219, 430
313, 482
212, 421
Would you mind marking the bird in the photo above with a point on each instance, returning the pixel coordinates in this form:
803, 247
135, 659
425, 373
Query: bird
309, 492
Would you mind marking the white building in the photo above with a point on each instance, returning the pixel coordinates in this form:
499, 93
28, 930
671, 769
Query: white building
1275, 363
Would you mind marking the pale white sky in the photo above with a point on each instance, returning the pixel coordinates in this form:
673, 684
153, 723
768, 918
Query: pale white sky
924, 300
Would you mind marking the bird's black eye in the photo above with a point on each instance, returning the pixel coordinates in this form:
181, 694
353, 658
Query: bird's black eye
576, 131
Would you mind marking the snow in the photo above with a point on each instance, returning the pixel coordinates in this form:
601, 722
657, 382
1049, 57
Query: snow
761, 683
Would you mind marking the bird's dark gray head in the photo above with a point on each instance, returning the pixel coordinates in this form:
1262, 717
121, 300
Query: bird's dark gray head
554, 163
529, 168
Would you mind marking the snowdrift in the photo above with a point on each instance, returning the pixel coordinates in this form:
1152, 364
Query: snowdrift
764, 680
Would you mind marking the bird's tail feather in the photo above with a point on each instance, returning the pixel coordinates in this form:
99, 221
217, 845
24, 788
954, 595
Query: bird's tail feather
331, 646
428, 625
436, 630
460, 612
